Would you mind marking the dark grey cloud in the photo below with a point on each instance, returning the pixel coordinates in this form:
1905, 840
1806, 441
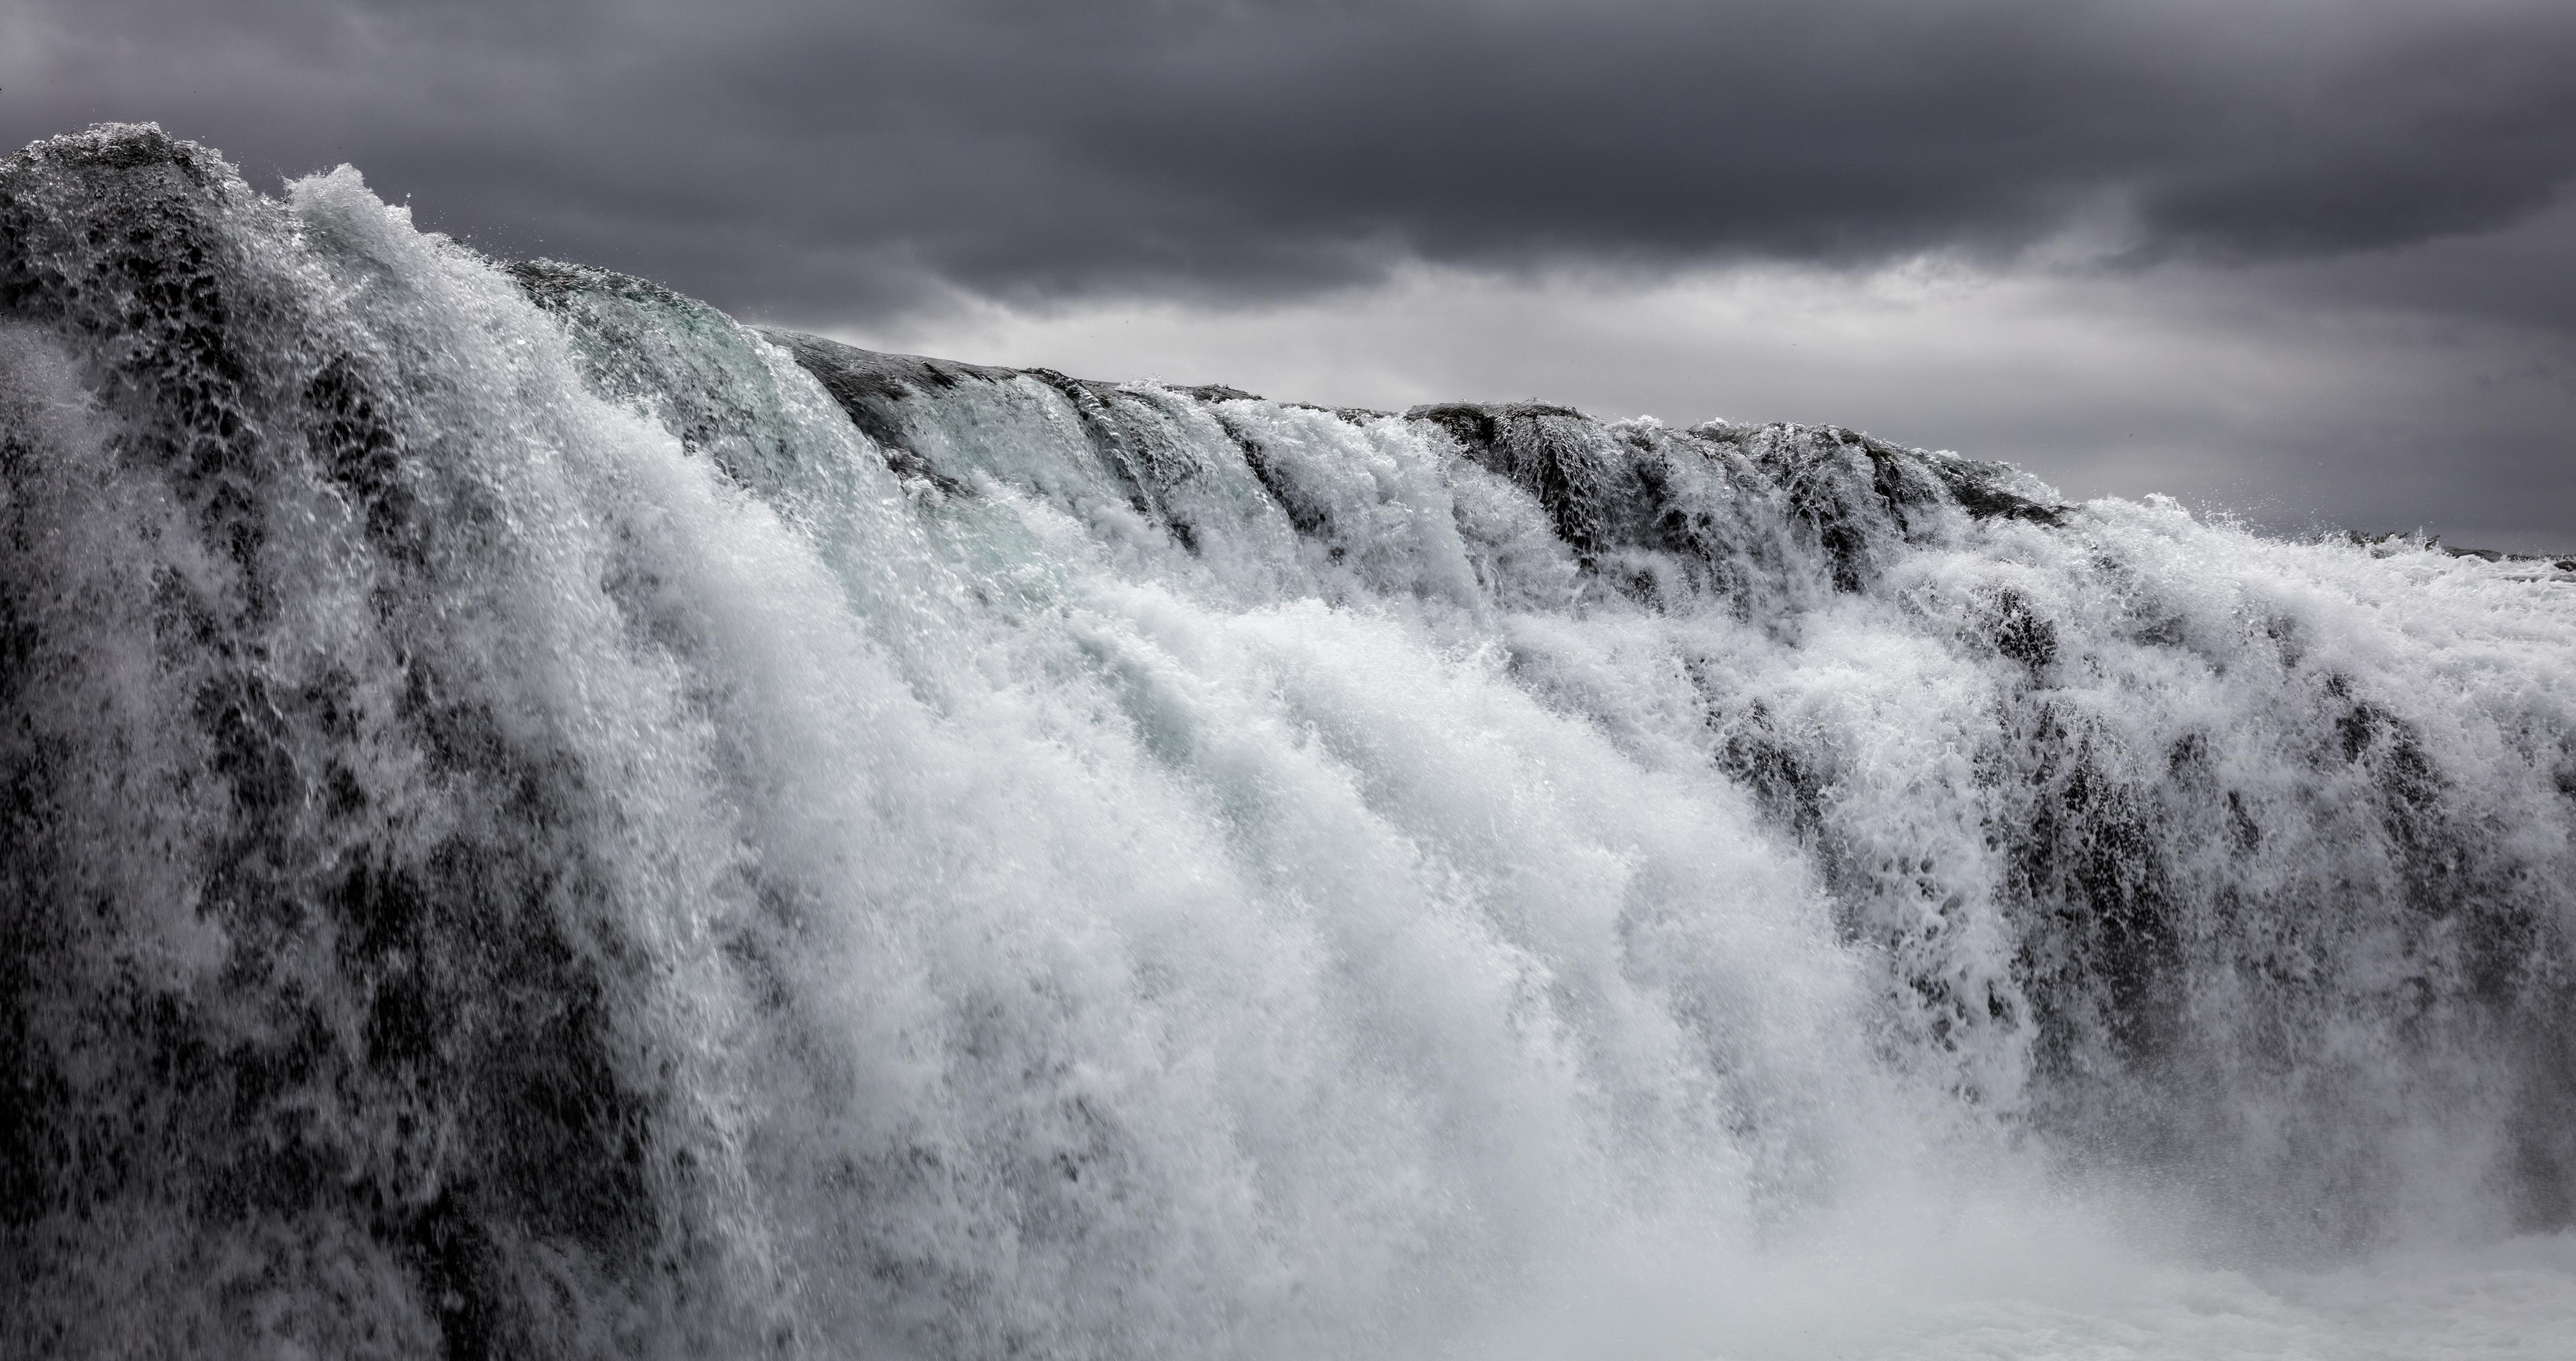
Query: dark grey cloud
2310, 258
802, 159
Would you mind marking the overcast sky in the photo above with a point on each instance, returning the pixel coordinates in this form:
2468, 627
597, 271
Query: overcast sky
2307, 261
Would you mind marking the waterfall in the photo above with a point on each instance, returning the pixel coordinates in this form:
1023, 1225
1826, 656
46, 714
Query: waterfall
545, 821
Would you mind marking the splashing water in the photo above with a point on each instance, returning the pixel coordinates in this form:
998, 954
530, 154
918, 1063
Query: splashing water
542, 821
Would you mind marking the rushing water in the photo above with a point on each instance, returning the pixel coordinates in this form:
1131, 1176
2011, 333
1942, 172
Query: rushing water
542, 821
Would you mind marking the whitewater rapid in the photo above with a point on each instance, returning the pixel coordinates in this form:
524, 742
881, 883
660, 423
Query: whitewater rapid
544, 821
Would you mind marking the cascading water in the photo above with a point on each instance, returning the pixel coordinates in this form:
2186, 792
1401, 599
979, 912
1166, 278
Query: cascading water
541, 821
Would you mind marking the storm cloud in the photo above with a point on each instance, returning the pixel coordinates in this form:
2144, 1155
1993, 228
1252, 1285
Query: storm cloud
853, 166
792, 154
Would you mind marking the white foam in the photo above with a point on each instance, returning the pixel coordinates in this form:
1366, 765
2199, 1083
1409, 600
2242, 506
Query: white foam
1240, 889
